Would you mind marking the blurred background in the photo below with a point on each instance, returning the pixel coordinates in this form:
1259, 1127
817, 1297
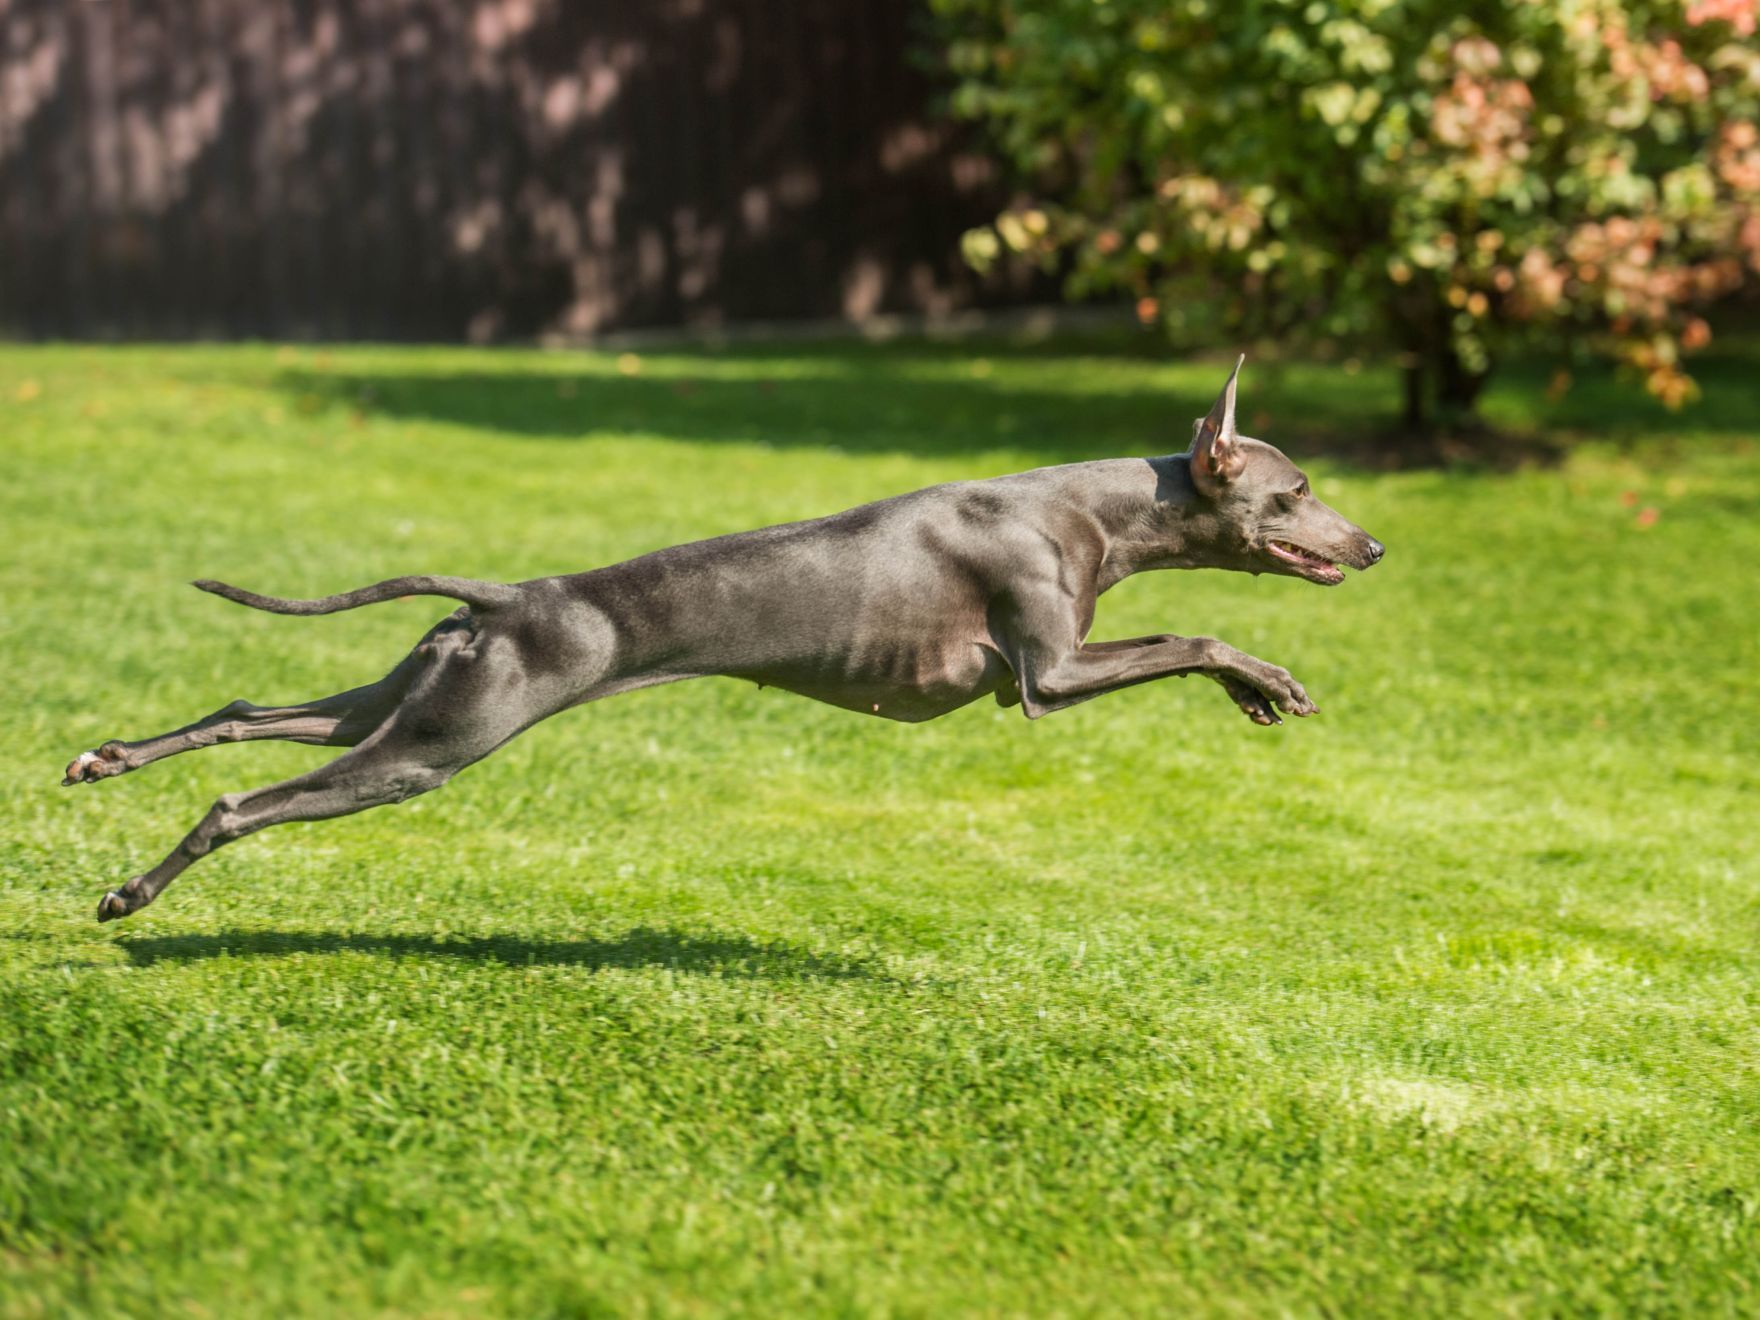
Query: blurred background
1451, 190
424, 169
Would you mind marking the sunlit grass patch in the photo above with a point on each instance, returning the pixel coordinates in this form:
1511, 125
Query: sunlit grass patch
707, 999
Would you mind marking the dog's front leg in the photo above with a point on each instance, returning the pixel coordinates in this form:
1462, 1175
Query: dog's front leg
1052, 678
1256, 686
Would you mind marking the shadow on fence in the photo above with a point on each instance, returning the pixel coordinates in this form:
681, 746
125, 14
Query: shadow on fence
424, 169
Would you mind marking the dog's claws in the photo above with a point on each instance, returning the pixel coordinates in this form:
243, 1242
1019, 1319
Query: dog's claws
112, 906
90, 767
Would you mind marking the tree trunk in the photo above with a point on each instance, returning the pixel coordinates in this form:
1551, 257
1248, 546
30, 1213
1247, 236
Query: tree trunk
1457, 389
1439, 392
1413, 375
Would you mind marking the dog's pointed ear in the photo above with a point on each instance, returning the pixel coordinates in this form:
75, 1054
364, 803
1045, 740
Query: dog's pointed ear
1216, 456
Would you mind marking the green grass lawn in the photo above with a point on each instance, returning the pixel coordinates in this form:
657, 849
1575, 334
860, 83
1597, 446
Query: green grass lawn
710, 999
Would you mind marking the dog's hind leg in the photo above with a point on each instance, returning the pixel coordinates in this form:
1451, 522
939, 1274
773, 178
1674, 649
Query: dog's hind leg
338, 721
342, 720
459, 708
369, 776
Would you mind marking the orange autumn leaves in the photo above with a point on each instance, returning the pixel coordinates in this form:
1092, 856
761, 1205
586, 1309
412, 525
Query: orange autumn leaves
1458, 187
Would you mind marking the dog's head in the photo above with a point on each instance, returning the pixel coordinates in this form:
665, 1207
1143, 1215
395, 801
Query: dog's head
1263, 516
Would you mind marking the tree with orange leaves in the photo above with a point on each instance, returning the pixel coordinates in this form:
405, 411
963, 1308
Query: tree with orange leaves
1452, 181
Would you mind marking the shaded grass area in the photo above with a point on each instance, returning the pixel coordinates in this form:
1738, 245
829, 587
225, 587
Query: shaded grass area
707, 999
1060, 402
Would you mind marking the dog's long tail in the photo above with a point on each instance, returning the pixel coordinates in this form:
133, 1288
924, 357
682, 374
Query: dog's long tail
478, 595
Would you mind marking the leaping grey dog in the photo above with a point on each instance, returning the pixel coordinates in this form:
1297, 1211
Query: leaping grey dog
908, 609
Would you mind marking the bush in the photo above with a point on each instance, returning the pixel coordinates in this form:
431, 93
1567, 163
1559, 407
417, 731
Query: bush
1449, 181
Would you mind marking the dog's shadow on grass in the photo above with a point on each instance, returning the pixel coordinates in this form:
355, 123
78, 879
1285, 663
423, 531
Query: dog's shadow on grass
724, 956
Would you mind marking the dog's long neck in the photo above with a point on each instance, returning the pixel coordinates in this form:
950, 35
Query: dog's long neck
1149, 512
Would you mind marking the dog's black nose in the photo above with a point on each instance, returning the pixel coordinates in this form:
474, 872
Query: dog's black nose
1376, 550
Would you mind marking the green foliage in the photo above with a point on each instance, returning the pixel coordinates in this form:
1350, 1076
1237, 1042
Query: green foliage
1443, 179
705, 1000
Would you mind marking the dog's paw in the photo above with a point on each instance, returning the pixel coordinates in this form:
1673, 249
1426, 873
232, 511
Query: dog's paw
1281, 688
89, 767
112, 906
1263, 693
1253, 703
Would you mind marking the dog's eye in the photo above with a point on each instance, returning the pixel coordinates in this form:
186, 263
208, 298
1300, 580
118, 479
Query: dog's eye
1300, 492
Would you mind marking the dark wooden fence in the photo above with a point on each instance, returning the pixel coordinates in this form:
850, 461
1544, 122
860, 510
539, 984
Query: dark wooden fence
480, 169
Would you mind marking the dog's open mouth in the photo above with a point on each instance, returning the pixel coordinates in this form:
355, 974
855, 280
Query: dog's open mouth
1307, 563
